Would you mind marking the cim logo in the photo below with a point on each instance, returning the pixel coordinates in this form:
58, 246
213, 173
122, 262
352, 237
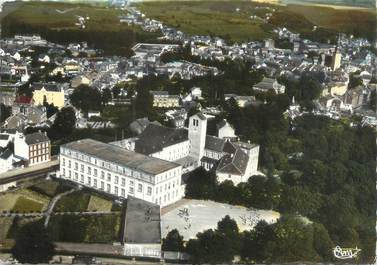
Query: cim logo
345, 253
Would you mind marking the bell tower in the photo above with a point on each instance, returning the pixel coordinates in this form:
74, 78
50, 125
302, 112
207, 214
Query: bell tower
197, 131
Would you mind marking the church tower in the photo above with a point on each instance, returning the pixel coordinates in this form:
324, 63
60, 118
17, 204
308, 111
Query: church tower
337, 57
197, 131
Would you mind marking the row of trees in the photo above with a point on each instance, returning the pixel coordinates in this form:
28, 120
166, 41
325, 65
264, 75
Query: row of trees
291, 238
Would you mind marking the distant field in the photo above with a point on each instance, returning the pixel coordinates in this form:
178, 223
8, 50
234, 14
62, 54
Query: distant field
220, 18
56, 22
360, 22
217, 18
57, 15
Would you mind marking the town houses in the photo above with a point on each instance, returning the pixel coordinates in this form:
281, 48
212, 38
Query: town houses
181, 141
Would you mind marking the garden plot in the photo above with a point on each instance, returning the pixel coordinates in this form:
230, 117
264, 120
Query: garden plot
23, 201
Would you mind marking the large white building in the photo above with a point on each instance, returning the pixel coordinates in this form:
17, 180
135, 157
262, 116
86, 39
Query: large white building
150, 166
121, 172
192, 147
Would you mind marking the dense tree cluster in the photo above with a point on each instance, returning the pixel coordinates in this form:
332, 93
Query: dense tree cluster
64, 123
291, 238
33, 244
5, 112
86, 98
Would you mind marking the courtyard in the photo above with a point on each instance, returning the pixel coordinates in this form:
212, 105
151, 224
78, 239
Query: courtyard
190, 217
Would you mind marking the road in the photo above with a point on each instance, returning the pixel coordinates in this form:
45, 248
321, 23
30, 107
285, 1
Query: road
41, 170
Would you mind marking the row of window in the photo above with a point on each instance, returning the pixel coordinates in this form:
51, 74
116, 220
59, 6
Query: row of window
39, 152
38, 146
95, 172
118, 169
167, 198
101, 184
38, 159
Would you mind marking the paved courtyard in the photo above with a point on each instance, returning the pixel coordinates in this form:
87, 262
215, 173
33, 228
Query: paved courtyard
193, 216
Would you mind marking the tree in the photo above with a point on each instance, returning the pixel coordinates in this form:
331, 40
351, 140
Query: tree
173, 241
355, 80
210, 247
50, 108
116, 91
32, 244
300, 200
86, 98
5, 112
322, 242
254, 242
373, 100
64, 123
201, 184
106, 96
229, 229
293, 241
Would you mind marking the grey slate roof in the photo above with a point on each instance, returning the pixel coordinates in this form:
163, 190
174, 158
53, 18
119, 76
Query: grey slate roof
47, 86
4, 136
142, 222
265, 84
155, 137
233, 164
120, 156
36, 138
214, 143
5, 153
201, 116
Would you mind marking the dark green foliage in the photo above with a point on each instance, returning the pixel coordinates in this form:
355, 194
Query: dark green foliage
254, 242
106, 96
201, 184
173, 241
86, 98
143, 104
84, 229
50, 108
373, 100
5, 112
215, 246
32, 244
355, 80
64, 123
74, 202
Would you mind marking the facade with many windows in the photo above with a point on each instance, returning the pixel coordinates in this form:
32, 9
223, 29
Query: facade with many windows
121, 172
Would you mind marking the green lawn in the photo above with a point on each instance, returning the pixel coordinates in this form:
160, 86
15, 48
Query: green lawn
26, 205
74, 202
5, 224
97, 203
85, 229
23, 200
50, 188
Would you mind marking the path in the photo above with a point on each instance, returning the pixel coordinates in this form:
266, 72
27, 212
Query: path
41, 214
52, 203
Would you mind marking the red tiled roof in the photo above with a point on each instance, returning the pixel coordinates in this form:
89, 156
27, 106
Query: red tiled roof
23, 100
